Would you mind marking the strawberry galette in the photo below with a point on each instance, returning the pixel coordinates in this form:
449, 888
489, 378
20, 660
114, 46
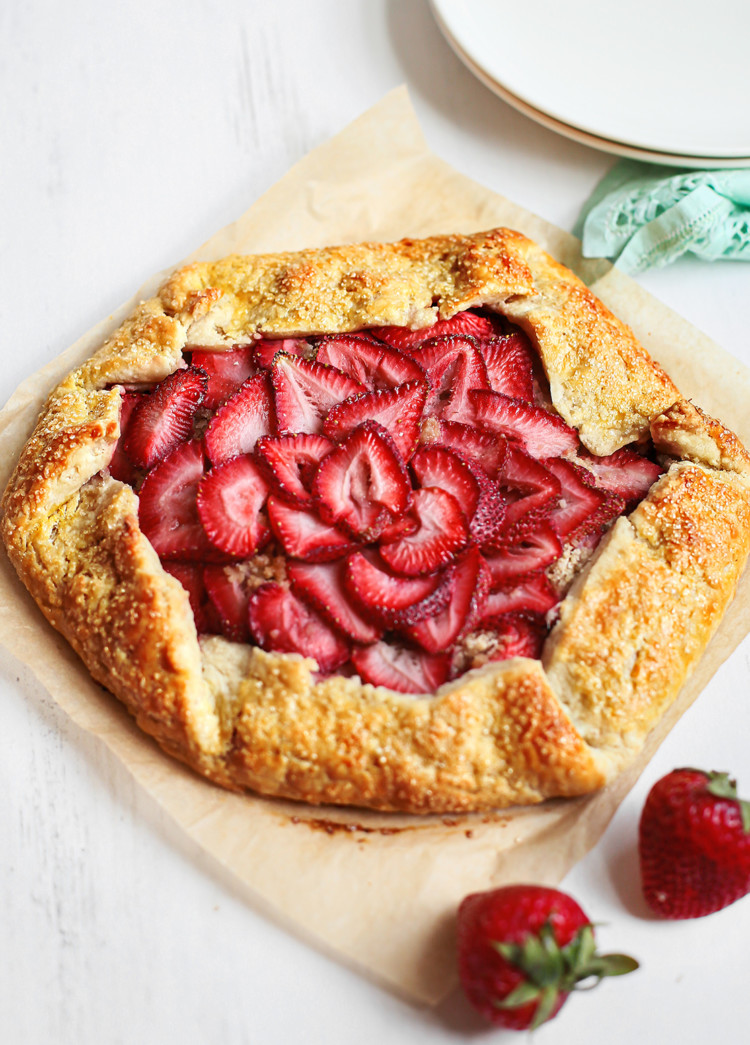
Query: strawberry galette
415, 526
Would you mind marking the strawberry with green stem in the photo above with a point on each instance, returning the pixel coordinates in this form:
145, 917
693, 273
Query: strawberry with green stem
522, 949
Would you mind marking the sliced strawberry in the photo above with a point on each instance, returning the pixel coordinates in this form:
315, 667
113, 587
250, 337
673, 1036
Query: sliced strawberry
230, 499
305, 391
121, 467
510, 365
440, 466
293, 463
530, 491
390, 599
488, 522
534, 551
624, 472
360, 482
167, 509
190, 576
484, 448
613, 507
402, 526
533, 594
519, 635
265, 351
469, 584
368, 361
304, 536
468, 323
542, 434
230, 600
164, 418
579, 499
281, 622
238, 425
226, 371
442, 532
322, 585
454, 368
400, 668
398, 410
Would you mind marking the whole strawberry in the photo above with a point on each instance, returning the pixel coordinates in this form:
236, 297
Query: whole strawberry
522, 949
694, 844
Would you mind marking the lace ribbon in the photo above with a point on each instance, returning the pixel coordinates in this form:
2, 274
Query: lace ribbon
641, 215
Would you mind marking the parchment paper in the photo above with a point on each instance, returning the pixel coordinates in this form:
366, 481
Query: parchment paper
376, 891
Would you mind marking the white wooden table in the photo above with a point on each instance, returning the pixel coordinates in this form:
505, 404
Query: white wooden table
130, 132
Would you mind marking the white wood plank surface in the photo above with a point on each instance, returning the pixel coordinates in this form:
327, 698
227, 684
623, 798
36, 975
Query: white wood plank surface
129, 133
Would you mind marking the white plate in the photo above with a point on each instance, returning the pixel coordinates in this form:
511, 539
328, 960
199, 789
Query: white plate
603, 144
664, 77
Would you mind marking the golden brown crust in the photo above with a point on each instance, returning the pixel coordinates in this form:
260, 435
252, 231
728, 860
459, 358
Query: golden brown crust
636, 622
631, 628
602, 381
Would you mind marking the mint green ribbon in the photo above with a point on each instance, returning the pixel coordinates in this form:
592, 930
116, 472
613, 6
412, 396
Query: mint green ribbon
643, 216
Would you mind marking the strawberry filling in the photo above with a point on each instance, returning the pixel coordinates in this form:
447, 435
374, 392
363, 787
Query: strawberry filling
399, 504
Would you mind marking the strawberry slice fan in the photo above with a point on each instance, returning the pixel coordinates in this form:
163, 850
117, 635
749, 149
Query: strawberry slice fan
403, 505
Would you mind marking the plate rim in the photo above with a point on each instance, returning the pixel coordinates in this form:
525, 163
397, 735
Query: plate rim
575, 131
572, 131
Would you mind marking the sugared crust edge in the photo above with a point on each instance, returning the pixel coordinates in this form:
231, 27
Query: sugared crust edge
509, 733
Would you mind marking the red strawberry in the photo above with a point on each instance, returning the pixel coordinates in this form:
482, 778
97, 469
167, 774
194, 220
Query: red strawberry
454, 368
519, 635
542, 434
392, 600
238, 425
360, 482
530, 491
474, 444
293, 463
469, 583
164, 418
436, 465
442, 532
167, 510
510, 365
230, 600
533, 594
624, 472
400, 668
582, 508
402, 526
489, 520
462, 323
305, 392
304, 536
531, 552
522, 949
230, 499
226, 371
265, 351
322, 585
190, 576
281, 622
398, 410
368, 361
121, 467
694, 844
579, 499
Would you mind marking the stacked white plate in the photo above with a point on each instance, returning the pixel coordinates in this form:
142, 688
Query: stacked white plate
661, 80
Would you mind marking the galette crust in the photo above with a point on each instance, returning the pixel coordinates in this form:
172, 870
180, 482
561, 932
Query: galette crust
631, 629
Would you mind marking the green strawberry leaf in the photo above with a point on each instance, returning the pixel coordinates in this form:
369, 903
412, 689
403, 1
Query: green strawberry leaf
521, 995
546, 1007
